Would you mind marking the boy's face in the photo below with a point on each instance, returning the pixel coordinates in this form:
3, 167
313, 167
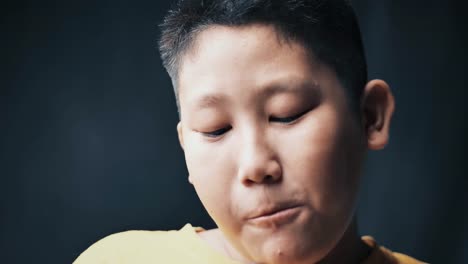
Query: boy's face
272, 148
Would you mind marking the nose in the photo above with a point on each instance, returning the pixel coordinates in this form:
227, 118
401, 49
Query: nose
258, 162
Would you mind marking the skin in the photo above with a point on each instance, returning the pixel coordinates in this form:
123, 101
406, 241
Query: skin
263, 124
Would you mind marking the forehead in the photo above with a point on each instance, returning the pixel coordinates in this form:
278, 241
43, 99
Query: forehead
253, 43
242, 61
251, 36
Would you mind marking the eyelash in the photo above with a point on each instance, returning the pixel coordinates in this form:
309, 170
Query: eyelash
218, 132
286, 120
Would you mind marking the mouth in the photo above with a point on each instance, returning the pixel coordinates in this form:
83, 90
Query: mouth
276, 215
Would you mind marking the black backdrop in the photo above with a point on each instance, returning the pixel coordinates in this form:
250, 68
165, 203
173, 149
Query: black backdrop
88, 143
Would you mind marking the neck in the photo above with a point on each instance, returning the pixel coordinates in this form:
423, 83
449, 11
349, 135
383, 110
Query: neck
350, 248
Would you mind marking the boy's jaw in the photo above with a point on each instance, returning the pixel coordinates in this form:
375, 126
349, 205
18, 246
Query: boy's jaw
350, 248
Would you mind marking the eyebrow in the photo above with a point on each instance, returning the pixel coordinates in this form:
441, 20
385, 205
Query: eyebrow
289, 86
283, 86
209, 100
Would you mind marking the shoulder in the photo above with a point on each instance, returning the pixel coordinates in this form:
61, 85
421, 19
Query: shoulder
380, 254
404, 259
132, 246
175, 246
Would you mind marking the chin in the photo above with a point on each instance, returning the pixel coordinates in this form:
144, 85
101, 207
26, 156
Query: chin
291, 249
281, 256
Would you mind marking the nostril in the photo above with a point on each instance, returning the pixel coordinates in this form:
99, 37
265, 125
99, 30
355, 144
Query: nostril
266, 179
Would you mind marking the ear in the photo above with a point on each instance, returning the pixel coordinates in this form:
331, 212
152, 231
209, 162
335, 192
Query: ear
180, 135
377, 106
181, 142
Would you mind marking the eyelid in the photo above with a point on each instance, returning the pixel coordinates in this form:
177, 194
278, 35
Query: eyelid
216, 133
288, 119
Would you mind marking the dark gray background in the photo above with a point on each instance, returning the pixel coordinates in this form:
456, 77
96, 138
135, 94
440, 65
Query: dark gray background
88, 143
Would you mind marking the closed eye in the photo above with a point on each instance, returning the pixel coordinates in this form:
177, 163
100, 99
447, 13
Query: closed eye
288, 119
217, 133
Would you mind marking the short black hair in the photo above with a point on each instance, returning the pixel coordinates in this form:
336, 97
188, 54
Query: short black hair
327, 28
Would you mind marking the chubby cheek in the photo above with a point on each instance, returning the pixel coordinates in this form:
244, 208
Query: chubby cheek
211, 174
319, 156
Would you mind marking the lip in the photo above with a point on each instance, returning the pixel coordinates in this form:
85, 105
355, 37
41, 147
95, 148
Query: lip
276, 215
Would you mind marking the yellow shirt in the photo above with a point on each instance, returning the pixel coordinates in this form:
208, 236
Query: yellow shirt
184, 246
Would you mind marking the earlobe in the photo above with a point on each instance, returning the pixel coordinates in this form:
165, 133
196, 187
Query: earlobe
180, 135
377, 109
181, 141
190, 179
